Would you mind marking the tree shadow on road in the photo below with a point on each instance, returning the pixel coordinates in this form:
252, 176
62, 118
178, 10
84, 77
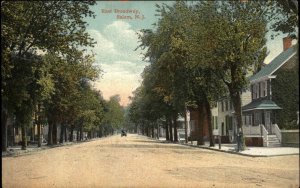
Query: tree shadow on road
151, 141
148, 146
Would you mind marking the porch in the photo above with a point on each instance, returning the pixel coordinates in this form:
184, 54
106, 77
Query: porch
270, 137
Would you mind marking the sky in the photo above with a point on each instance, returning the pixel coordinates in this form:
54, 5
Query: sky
117, 39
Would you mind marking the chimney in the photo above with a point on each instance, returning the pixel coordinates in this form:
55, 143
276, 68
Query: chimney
287, 43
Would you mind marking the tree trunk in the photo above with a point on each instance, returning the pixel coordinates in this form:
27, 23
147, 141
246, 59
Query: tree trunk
208, 120
10, 135
32, 132
39, 135
71, 133
237, 105
81, 133
158, 131
167, 130
152, 131
50, 133
102, 131
66, 133
62, 129
175, 127
146, 131
38, 122
24, 137
54, 133
200, 123
185, 126
4, 117
171, 129
77, 135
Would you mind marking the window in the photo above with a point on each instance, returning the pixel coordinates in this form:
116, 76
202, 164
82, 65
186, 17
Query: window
222, 106
254, 91
256, 118
226, 105
249, 120
266, 88
263, 89
216, 119
230, 105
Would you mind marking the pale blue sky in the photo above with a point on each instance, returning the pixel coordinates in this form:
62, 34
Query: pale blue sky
117, 39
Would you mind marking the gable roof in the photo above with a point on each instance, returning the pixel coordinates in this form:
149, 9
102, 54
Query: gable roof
275, 64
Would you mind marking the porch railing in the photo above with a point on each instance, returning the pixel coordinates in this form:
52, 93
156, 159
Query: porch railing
277, 131
264, 133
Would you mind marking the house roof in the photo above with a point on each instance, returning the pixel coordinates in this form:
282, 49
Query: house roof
261, 105
275, 64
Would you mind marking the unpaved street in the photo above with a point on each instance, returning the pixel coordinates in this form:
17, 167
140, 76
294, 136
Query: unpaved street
136, 161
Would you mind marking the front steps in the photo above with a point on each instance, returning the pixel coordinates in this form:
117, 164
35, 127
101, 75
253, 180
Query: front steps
273, 141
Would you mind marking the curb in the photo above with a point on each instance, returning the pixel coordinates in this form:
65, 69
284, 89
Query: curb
243, 154
224, 151
45, 147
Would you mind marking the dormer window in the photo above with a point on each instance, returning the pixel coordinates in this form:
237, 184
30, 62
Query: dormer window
266, 88
254, 91
263, 89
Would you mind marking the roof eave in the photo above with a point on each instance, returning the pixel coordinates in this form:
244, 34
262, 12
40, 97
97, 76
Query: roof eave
263, 78
270, 74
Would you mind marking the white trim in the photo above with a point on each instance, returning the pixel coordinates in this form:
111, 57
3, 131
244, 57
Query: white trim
250, 109
262, 79
276, 68
283, 62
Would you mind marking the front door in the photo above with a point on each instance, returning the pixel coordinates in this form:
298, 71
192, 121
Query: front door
268, 122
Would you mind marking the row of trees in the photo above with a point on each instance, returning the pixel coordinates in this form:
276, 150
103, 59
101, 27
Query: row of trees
198, 53
46, 73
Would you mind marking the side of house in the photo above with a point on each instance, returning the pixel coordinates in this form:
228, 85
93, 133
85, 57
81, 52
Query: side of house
267, 100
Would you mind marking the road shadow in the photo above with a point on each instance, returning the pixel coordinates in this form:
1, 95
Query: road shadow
148, 146
151, 141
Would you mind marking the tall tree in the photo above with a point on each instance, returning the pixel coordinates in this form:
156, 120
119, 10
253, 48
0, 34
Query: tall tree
232, 39
38, 26
166, 53
114, 117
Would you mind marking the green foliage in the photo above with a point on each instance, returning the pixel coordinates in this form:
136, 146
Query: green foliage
198, 53
228, 41
42, 63
284, 94
286, 19
114, 116
31, 27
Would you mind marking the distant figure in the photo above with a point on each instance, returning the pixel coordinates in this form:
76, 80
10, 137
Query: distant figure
123, 133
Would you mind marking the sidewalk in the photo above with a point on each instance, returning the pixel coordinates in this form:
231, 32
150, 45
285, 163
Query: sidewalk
31, 148
249, 151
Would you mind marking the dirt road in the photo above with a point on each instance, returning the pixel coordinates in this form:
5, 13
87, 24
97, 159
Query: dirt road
136, 161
